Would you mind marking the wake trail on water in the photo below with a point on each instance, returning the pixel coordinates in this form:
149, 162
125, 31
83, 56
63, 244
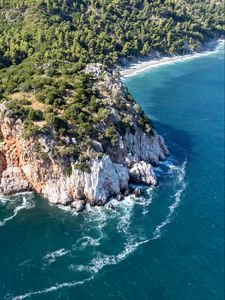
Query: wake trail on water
123, 216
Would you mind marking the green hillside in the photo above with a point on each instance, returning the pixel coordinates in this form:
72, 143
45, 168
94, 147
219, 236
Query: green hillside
45, 45
103, 30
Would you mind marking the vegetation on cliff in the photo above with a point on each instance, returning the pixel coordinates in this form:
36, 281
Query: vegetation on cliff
45, 46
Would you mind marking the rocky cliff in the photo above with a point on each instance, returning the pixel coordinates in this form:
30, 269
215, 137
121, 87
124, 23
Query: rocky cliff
126, 153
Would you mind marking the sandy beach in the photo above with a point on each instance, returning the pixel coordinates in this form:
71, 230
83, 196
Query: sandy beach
155, 60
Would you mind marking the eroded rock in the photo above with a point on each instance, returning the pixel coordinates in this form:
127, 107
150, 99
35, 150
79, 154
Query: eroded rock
131, 159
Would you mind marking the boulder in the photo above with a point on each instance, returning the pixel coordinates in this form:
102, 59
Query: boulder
111, 206
126, 192
142, 172
138, 192
78, 205
119, 197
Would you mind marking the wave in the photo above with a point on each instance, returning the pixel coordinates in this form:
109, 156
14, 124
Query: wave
151, 64
25, 205
52, 288
123, 216
181, 172
3, 199
132, 244
81, 244
103, 260
86, 241
94, 267
52, 256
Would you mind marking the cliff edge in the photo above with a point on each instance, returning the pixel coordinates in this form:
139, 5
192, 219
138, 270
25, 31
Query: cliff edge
91, 167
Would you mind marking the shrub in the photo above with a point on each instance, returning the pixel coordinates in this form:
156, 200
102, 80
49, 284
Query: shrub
83, 167
111, 134
55, 122
30, 130
68, 171
35, 115
70, 150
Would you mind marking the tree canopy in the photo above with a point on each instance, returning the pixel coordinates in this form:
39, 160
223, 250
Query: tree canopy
45, 45
103, 30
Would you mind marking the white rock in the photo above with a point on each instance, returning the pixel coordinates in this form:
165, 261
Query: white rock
13, 181
141, 172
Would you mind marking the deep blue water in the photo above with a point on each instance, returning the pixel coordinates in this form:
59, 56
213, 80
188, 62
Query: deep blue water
167, 245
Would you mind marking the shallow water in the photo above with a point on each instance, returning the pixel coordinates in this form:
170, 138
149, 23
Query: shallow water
165, 245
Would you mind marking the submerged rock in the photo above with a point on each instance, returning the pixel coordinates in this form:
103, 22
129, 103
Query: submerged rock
138, 192
78, 205
126, 192
119, 197
111, 206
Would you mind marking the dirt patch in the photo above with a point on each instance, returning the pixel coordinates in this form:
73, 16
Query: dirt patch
30, 97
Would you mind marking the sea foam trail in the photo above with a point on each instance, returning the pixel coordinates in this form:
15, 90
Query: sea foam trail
52, 289
181, 188
103, 260
25, 205
132, 244
124, 217
52, 256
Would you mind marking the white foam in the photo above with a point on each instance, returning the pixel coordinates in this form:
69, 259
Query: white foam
99, 216
94, 267
52, 288
181, 171
103, 260
87, 241
167, 60
25, 205
52, 256
3, 199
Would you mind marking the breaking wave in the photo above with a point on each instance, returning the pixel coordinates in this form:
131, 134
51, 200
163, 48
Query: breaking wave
52, 256
180, 186
27, 203
97, 218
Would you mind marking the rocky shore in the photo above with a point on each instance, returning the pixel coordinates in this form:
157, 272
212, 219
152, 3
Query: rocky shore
129, 159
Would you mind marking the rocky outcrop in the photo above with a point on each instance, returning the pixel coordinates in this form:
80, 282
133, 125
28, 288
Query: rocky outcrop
141, 172
131, 160
24, 171
14, 181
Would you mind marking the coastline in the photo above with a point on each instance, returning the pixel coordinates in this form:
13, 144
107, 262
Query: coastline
139, 65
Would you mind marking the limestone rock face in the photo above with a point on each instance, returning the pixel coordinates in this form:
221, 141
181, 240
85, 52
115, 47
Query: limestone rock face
21, 170
150, 149
130, 161
141, 172
13, 181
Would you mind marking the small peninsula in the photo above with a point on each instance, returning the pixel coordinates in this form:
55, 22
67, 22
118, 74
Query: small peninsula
69, 128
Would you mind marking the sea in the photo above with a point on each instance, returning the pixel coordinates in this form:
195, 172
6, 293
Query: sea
166, 245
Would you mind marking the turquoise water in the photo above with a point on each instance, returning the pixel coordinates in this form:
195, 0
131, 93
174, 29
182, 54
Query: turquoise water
166, 245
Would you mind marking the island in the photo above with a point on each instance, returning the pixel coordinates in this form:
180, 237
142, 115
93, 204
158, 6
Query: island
69, 128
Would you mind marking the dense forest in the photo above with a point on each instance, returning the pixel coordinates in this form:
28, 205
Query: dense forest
45, 45
103, 30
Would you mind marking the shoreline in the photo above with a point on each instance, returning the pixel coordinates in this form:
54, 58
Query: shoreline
140, 65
